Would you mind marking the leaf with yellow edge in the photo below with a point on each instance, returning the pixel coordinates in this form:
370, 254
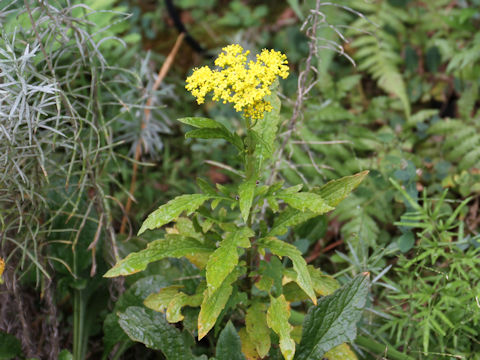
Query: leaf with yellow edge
322, 284
248, 347
257, 328
172, 246
277, 319
213, 304
172, 210
174, 308
341, 352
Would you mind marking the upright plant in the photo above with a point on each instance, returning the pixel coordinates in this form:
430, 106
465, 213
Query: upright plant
250, 279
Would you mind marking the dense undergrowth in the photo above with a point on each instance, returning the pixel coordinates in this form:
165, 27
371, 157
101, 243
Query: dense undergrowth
88, 121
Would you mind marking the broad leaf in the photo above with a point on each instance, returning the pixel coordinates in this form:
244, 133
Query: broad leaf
306, 201
172, 246
151, 329
246, 192
336, 190
333, 321
224, 259
257, 329
281, 248
213, 304
229, 346
277, 319
172, 210
340, 352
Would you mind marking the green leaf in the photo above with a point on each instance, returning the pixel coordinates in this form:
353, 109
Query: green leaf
151, 329
10, 346
229, 346
211, 129
201, 122
336, 190
64, 355
333, 321
257, 328
277, 319
281, 248
287, 218
223, 260
172, 210
246, 192
267, 127
172, 246
306, 201
213, 304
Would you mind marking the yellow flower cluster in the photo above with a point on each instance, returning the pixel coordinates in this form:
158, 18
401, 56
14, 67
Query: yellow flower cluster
2, 267
243, 85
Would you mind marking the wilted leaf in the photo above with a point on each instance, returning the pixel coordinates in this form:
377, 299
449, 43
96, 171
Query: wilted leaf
257, 329
341, 352
248, 347
277, 318
333, 321
159, 301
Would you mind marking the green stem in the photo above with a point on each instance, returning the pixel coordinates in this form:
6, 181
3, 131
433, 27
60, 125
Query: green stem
381, 349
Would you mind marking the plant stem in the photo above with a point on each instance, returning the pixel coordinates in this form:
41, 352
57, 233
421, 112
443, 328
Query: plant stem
381, 349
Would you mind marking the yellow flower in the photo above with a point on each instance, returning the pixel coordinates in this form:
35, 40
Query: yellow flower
245, 86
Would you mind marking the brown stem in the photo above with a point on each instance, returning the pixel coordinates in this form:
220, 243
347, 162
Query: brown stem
138, 150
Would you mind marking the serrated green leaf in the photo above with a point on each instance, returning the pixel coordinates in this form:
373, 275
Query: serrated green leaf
200, 122
225, 258
289, 217
159, 301
151, 329
229, 346
333, 321
281, 248
206, 187
277, 319
173, 245
336, 190
213, 304
306, 201
172, 210
257, 328
267, 127
246, 192
340, 352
